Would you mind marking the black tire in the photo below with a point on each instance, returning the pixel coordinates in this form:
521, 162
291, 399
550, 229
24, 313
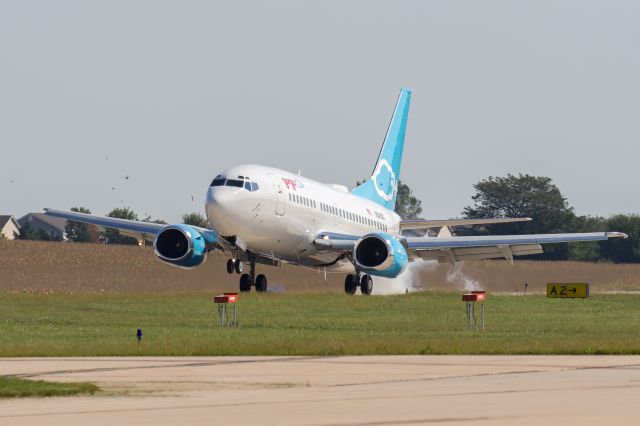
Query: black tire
261, 283
239, 266
350, 284
366, 285
231, 266
245, 283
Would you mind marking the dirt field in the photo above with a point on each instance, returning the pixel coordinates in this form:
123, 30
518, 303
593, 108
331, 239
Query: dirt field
45, 266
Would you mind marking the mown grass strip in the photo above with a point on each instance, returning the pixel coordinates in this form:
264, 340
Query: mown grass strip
15, 387
313, 324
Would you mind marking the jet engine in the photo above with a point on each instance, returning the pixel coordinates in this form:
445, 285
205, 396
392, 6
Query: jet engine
180, 245
380, 254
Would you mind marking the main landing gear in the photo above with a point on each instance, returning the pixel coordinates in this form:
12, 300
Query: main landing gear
248, 280
352, 282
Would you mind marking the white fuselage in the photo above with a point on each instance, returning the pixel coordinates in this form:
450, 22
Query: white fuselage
283, 216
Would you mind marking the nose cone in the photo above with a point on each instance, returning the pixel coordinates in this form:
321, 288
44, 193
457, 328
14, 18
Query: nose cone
222, 209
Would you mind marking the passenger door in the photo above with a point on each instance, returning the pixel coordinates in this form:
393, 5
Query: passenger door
278, 186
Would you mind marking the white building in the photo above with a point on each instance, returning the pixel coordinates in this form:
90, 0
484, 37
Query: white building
53, 226
9, 227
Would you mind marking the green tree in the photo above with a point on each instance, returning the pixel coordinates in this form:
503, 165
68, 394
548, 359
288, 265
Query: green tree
195, 219
536, 197
623, 250
113, 236
588, 251
28, 233
81, 232
407, 205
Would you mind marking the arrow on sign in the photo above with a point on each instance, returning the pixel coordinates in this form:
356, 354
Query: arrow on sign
573, 290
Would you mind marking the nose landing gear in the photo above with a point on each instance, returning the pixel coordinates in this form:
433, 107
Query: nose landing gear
234, 265
231, 265
353, 281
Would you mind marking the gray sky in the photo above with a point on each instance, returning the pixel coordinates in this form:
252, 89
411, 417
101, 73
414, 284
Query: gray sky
174, 92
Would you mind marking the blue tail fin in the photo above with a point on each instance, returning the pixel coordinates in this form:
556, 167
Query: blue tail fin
382, 186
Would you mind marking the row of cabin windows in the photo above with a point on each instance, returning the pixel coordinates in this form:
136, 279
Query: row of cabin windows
353, 217
345, 214
299, 199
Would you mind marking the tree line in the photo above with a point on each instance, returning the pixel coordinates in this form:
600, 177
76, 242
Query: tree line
540, 199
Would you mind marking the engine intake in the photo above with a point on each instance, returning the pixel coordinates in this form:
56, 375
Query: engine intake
380, 254
180, 245
372, 252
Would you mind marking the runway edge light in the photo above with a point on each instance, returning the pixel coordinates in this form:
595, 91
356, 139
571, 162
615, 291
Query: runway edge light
227, 319
471, 299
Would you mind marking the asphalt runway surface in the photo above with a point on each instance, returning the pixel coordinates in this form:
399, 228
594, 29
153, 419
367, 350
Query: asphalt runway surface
367, 390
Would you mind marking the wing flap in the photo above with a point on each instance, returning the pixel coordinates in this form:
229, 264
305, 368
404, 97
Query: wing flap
426, 243
453, 249
416, 224
478, 253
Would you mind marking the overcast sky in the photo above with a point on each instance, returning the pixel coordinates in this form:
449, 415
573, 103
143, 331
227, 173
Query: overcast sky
170, 93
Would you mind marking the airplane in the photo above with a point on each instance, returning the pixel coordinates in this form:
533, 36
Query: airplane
264, 215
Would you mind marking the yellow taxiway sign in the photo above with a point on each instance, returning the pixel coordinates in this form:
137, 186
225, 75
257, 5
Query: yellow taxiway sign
568, 290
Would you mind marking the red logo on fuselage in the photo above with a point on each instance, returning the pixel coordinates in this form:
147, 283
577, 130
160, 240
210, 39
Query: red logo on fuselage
290, 183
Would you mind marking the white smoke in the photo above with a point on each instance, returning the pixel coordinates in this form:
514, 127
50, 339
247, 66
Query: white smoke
406, 282
456, 276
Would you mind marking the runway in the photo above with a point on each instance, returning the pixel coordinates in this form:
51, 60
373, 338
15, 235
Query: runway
318, 391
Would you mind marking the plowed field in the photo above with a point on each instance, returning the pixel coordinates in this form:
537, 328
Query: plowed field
30, 266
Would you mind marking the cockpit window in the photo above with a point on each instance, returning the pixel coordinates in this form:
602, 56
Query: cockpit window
233, 182
223, 181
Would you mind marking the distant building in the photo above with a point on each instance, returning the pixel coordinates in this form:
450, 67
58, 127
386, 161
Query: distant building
40, 222
9, 227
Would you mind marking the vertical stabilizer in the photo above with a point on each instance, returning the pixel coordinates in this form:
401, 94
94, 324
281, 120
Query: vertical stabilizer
382, 186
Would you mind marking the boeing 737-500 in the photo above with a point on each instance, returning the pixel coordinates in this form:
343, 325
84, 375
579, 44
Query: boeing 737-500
264, 215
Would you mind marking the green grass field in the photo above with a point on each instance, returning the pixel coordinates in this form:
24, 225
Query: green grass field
314, 324
14, 387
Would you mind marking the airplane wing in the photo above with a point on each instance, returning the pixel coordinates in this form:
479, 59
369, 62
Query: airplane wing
134, 228
427, 223
453, 249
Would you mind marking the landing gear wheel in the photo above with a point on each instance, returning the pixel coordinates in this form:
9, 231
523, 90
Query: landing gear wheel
350, 284
366, 285
239, 266
245, 283
261, 283
231, 266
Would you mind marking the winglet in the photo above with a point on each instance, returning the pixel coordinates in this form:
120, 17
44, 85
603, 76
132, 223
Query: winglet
616, 235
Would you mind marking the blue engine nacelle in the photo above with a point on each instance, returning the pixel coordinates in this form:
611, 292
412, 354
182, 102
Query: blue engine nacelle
180, 245
380, 254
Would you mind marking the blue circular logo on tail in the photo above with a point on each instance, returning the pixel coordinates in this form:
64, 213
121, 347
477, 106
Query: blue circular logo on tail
384, 180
